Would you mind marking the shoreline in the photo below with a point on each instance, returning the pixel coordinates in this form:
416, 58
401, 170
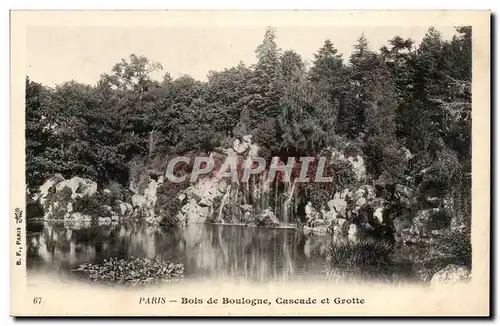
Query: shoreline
316, 230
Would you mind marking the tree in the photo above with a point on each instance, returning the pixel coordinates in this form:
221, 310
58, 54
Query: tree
37, 134
363, 63
306, 123
291, 64
329, 75
134, 74
265, 88
227, 89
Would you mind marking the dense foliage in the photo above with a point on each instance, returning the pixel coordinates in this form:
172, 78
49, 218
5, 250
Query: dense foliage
407, 104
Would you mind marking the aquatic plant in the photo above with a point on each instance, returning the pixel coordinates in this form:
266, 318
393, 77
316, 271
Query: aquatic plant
131, 271
364, 253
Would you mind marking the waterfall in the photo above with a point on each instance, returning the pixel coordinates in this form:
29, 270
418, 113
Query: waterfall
223, 201
288, 200
275, 198
265, 191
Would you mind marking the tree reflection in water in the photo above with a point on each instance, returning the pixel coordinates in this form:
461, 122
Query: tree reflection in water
236, 252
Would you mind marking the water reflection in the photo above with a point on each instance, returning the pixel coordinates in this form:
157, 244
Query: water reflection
255, 254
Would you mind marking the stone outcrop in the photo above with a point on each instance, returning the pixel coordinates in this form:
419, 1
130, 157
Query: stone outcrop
451, 274
59, 198
267, 218
201, 197
144, 201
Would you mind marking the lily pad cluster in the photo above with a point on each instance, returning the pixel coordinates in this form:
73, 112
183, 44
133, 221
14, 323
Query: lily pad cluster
133, 270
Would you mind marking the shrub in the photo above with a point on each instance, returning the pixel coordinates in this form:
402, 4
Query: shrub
361, 254
168, 203
116, 190
62, 197
454, 246
91, 205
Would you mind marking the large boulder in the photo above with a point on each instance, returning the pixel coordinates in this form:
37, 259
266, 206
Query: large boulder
57, 197
125, 209
144, 202
200, 198
267, 218
451, 274
245, 146
193, 212
79, 187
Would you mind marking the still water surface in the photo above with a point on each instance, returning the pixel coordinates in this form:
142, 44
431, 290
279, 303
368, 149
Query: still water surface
238, 252
207, 251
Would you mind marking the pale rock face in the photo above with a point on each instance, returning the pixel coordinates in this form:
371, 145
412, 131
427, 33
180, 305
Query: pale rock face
104, 220
408, 155
378, 214
268, 215
353, 233
247, 139
144, 204
245, 146
328, 215
338, 204
246, 208
358, 165
80, 217
150, 192
123, 208
192, 212
309, 210
254, 150
247, 216
451, 274
200, 199
79, 187
240, 147
130, 209
138, 200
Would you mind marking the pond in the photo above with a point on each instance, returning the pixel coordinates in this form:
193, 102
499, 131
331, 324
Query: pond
207, 251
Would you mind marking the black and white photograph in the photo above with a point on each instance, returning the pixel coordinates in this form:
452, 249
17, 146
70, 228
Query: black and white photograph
260, 154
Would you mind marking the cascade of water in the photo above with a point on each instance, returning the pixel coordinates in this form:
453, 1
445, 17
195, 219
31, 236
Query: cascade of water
275, 198
257, 193
235, 205
266, 190
288, 200
223, 201
261, 193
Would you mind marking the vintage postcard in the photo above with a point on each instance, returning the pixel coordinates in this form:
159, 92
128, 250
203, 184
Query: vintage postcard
250, 163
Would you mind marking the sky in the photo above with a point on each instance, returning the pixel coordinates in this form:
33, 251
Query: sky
56, 54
